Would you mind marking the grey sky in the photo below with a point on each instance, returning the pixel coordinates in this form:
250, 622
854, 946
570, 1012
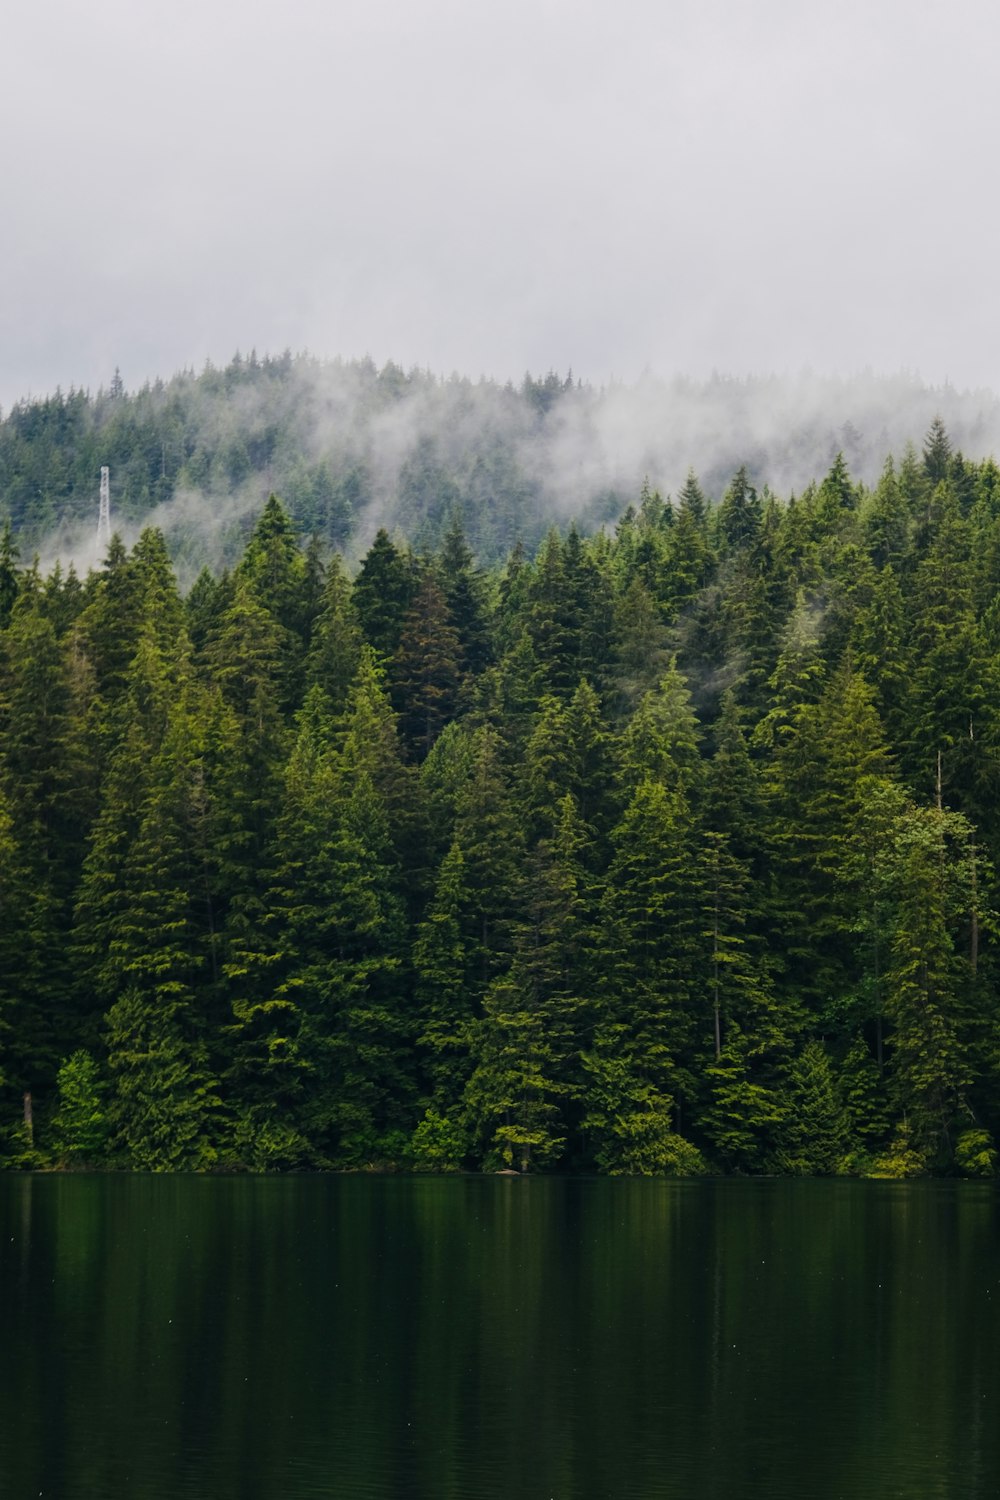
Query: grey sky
495, 185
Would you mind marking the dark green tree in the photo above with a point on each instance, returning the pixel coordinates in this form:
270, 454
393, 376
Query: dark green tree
382, 592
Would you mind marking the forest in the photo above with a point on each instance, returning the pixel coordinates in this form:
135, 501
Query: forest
350, 447
667, 848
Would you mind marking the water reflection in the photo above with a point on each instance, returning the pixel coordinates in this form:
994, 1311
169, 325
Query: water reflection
293, 1337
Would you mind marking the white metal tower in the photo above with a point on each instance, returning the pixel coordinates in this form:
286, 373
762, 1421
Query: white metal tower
104, 514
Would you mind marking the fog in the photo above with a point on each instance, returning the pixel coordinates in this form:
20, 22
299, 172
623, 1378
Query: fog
637, 192
509, 460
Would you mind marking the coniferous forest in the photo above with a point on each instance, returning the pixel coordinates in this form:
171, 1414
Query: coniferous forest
666, 849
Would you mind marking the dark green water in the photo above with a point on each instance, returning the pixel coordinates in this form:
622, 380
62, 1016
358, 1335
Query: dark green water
189, 1337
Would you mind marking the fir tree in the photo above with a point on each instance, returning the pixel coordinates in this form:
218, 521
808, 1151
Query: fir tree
426, 668
382, 592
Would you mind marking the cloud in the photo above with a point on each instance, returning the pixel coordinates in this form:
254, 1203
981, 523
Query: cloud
499, 187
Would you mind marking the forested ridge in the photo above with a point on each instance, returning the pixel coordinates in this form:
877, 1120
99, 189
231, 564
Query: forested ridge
667, 849
350, 447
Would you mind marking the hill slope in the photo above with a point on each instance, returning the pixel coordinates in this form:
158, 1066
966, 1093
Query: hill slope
350, 448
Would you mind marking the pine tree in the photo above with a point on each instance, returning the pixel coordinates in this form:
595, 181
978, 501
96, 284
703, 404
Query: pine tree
490, 839
886, 521
524, 1093
244, 657
511, 1096
465, 595
110, 627
268, 1071
878, 650
927, 982
734, 793
743, 1114
335, 647
156, 701
952, 734
382, 592
836, 495
552, 618
861, 1087
277, 572
26, 1043
444, 994
639, 656
815, 1133
820, 779
163, 1103
204, 605
662, 740
740, 513
46, 767
690, 561
937, 452
797, 678
80, 1125
639, 1063
426, 668
9, 580
733, 977
358, 1032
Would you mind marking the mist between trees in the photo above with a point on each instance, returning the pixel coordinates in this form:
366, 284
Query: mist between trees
350, 449
670, 848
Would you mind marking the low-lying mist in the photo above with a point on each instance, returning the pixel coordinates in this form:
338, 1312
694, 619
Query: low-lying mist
350, 448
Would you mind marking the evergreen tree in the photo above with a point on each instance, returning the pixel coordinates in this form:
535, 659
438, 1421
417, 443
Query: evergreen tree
690, 561
277, 572
639, 656
465, 595
927, 983
815, 1133
382, 592
740, 513
444, 993
639, 1064
80, 1124
743, 1113
662, 741
9, 581
335, 647
426, 668
552, 618
524, 1094
163, 1103
937, 452
886, 521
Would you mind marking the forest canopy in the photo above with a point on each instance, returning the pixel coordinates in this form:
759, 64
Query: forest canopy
670, 848
351, 448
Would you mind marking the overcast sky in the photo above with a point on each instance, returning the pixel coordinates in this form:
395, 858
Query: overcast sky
497, 185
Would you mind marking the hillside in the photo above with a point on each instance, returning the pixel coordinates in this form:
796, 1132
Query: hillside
350, 448
666, 851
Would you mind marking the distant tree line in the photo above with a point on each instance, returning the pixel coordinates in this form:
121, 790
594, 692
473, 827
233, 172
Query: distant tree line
671, 850
349, 447
323, 434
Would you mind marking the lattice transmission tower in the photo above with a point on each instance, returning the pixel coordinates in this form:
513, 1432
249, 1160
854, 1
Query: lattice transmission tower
104, 514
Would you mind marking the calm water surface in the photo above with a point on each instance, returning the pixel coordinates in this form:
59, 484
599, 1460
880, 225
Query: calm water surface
490, 1337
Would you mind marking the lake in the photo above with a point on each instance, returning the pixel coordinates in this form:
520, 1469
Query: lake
497, 1337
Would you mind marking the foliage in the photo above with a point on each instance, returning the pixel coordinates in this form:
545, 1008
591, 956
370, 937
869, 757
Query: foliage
80, 1125
656, 853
